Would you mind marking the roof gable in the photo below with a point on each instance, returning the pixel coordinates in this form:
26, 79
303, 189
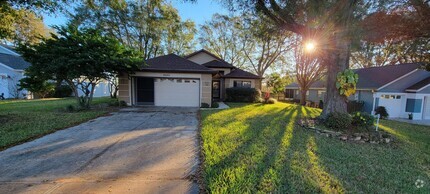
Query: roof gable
419, 85
203, 56
173, 63
239, 73
218, 64
14, 62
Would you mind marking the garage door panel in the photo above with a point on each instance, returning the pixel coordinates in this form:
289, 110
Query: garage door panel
177, 92
393, 104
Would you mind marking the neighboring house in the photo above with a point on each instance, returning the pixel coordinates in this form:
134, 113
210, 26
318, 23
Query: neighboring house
171, 80
401, 89
12, 67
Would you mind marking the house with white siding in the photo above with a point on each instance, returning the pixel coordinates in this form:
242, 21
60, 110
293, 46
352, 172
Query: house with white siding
402, 89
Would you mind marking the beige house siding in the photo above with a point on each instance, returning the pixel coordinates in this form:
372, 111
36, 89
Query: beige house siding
206, 84
124, 91
201, 58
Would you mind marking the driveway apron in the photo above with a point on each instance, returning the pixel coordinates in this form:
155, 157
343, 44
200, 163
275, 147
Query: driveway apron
136, 150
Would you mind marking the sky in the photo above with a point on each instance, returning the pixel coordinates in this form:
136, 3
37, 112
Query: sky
199, 12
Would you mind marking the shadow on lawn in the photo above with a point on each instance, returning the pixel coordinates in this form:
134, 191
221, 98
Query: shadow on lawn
272, 154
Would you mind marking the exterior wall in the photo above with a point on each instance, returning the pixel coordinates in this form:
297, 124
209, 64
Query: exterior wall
9, 78
367, 97
102, 89
418, 115
126, 87
206, 84
402, 84
201, 58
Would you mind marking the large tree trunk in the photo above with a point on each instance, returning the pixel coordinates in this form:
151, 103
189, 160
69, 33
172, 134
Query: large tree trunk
303, 96
336, 60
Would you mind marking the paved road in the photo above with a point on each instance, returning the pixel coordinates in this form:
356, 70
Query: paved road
150, 150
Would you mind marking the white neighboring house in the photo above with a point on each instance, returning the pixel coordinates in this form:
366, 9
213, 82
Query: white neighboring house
12, 68
102, 89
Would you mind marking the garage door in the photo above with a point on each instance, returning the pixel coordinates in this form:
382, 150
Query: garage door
393, 104
177, 92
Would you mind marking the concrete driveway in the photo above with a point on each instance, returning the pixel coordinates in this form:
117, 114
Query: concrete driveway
144, 150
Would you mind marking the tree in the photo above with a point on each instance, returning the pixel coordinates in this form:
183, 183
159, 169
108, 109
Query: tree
81, 57
28, 28
268, 45
308, 70
37, 86
334, 25
223, 36
153, 27
276, 84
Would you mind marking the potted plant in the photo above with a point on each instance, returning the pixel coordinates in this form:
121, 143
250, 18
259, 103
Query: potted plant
411, 116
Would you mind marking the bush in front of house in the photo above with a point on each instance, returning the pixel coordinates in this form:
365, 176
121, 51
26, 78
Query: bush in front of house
237, 94
204, 105
215, 105
363, 119
62, 91
270, 101
338, 121
382, 111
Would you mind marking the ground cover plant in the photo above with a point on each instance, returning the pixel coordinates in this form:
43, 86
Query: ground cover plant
260, 148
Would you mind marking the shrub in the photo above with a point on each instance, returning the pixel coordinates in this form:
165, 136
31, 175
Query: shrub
70, 108
270, 101
355, 106
215, 105
122, 103
362, 119
204, 105
62, 91
382, 111
338, 121
243, 94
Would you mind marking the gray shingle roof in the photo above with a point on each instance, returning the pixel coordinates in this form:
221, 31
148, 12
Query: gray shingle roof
174, 63
218, 64
419, 85
14, 62
238, 73
375, 77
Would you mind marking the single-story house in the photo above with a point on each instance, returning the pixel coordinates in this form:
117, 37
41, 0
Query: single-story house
402, 89
12, 67
171, 80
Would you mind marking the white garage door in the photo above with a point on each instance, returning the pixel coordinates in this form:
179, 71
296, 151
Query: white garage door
393, 104
176, 92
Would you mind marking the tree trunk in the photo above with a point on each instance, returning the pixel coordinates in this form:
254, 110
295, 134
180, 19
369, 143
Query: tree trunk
303, 96
337, 60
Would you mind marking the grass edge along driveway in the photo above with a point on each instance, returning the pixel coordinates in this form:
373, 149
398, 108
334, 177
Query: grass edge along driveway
24, 120
258, 148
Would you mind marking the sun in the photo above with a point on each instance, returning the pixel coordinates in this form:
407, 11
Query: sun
310, 46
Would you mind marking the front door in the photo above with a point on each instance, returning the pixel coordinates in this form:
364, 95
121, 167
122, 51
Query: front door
144, 91
216, 89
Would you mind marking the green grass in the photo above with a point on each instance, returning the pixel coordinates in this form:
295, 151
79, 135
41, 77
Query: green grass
253, 148
22, 120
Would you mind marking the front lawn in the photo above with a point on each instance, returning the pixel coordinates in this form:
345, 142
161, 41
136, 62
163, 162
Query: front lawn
22, 120
259, 148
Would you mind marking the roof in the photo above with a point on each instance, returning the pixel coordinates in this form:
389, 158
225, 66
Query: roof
13, 61
218, 64
6, 49
375, 77
238, 73
174, 63
421, 84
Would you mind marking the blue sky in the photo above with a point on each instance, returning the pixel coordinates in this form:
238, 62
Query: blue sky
198, 12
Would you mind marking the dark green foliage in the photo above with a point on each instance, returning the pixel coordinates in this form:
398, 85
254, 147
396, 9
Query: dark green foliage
382, 111
62, 91
362, 119
40, 87
243, 94
70, 108
122, 103
215, 105
355, 106
204, 105
338, 121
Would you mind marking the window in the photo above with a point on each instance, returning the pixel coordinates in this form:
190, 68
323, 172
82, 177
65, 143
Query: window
289, 93
321, 93
391, 97
242, 84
